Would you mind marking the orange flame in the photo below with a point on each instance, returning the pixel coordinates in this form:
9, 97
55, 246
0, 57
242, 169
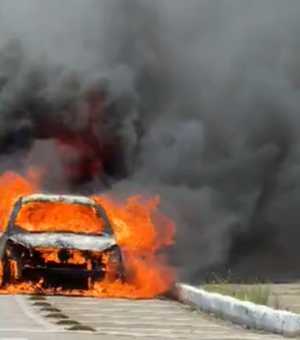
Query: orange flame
12, 185
43, 217
140, 230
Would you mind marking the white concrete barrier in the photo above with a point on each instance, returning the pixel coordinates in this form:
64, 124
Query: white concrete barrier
240, 312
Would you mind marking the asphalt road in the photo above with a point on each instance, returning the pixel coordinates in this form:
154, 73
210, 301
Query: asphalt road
70, 318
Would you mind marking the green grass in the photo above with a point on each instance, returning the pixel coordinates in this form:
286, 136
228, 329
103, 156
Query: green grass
259, 294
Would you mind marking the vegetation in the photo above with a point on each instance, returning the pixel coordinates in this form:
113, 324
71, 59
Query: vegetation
258, 293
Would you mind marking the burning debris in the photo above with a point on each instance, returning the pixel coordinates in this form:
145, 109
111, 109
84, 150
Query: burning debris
76, 245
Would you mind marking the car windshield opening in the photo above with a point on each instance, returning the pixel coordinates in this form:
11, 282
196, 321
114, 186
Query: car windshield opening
59, 217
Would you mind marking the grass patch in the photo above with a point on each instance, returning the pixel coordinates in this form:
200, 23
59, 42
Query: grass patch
37, 298
41, 304
51, 309
259, 294
67, 322
81, 328
56, 316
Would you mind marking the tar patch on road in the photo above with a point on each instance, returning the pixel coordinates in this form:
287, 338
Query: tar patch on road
56, 316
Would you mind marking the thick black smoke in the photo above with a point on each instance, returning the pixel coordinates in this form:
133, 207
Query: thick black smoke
215, 86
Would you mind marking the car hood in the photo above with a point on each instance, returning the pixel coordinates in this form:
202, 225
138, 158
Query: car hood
64, 241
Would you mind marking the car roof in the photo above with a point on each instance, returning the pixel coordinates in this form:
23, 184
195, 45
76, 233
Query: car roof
49, 198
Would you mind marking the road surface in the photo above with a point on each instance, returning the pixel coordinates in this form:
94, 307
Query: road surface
71, 318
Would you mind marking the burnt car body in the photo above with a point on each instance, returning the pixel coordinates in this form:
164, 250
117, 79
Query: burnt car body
22, 252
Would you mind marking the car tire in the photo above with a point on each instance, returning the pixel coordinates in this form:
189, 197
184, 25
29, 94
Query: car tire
7, 275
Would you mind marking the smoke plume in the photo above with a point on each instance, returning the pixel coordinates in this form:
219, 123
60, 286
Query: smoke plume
215, 87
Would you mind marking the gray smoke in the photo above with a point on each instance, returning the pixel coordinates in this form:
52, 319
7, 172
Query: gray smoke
216, 88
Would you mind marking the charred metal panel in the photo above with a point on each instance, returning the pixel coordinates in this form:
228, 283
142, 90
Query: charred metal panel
3, 240
64, 241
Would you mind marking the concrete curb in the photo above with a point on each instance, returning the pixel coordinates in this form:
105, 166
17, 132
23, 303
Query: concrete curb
239, 312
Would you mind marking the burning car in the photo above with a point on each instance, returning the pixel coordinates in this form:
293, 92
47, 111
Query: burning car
37, 245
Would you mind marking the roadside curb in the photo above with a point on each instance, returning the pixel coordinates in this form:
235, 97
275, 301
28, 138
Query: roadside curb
243, 313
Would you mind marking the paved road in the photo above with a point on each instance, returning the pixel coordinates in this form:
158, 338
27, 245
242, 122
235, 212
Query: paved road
25, 318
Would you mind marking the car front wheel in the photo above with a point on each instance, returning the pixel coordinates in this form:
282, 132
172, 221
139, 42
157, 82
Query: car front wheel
6, 272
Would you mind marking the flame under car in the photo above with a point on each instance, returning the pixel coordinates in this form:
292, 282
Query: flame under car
66, 259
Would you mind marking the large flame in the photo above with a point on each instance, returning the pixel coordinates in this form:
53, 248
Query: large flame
139, 228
